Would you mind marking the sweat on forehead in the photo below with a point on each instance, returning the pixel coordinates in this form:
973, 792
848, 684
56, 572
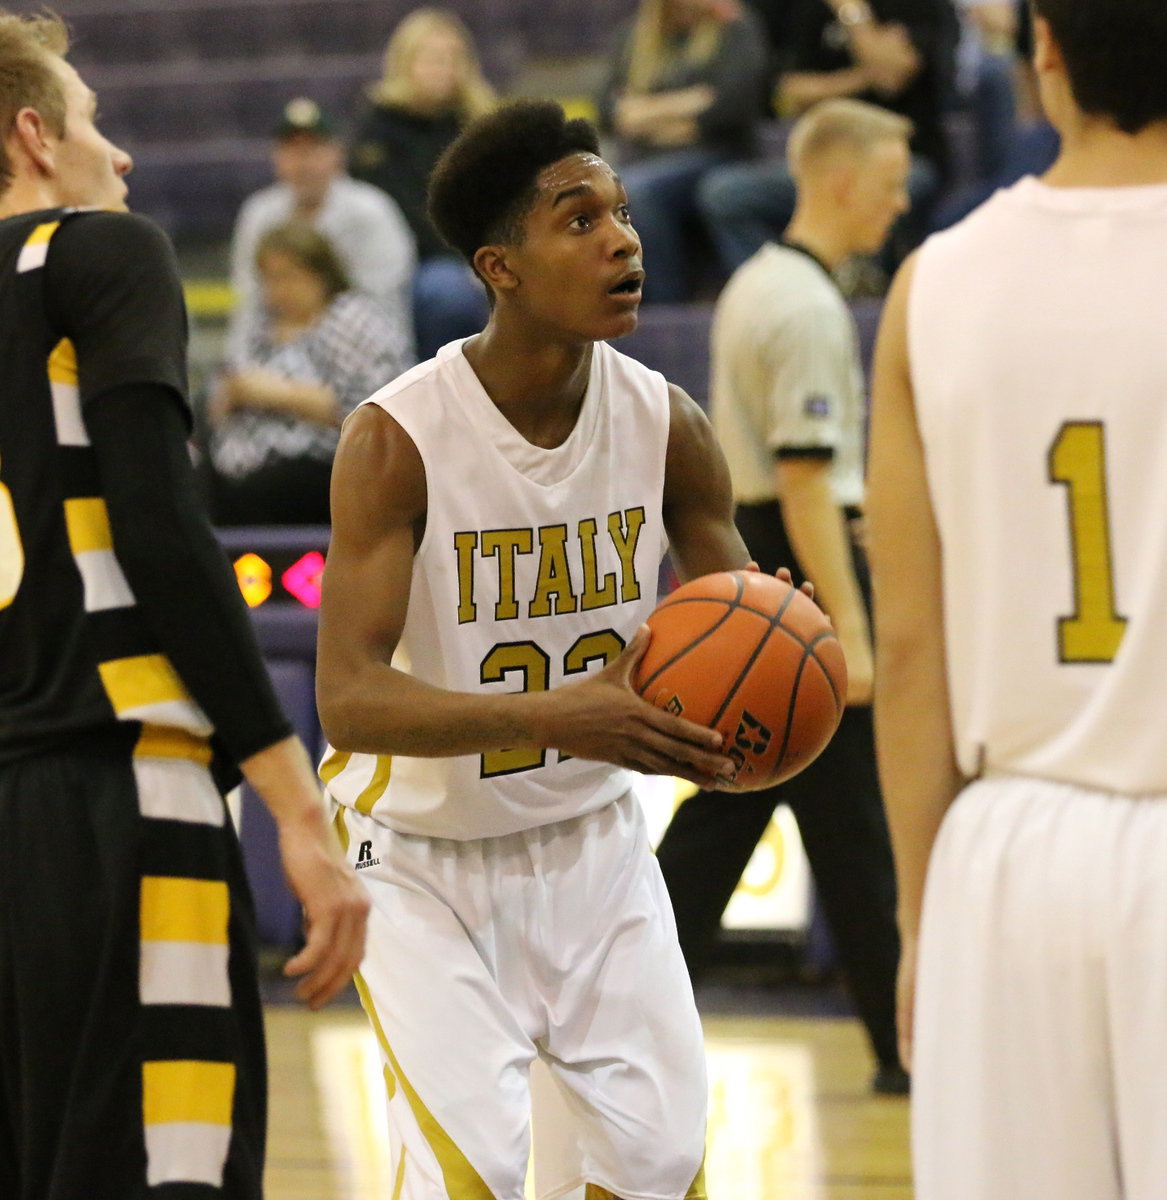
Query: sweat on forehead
569, 170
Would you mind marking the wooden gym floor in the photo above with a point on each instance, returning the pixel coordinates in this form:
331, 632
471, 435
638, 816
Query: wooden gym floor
791, 1112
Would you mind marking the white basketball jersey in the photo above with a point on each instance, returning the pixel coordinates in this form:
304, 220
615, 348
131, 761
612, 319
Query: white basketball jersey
535, 567
1039, 365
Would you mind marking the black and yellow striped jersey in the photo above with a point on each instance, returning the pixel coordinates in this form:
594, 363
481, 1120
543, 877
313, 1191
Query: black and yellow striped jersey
89, 301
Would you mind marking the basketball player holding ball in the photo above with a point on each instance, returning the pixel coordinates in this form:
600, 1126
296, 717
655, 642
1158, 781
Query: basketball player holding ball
499, 517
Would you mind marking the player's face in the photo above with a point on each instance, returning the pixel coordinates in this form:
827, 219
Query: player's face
879, 193
292, 291
307, 164
578, 269
90, 170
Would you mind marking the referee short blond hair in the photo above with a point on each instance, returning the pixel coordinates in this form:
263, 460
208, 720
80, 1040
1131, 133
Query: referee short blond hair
850, 126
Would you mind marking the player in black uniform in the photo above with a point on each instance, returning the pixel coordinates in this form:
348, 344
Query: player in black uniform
131, 1045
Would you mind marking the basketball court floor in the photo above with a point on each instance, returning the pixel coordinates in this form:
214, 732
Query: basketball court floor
792, 1116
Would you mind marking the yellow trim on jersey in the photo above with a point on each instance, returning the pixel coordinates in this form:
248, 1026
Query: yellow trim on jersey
140, 681
35, 250
332, 766
165, 741
376, 786
42, 234
188, 1091
461, 1179
87, 522
184, 910
63, 363
341, 830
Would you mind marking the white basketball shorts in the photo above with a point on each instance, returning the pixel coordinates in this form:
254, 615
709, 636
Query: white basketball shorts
557, 943
1040, 1060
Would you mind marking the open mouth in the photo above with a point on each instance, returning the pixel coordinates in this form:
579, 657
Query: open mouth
630, 287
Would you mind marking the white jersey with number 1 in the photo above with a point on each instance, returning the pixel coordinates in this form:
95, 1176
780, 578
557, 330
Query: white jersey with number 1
536, 566
1039, 367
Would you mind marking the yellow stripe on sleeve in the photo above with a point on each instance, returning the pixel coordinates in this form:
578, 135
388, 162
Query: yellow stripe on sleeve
137, 682
184, 910
187, 1091
63, 363
165, 741
87, 522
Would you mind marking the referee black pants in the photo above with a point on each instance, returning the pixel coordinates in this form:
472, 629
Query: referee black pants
837, 804
104, 1096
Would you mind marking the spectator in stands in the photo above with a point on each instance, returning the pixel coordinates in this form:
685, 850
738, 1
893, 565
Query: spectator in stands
365, 227
993, 61
898, 54
276, 412
431, 86
683, 97
986, 62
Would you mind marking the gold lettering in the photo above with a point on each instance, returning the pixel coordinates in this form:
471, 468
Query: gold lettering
624, 538
554, 583
504, 544
465, 544
594, 595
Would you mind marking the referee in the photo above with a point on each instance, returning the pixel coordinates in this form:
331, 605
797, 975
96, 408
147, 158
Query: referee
131, 692
788, 409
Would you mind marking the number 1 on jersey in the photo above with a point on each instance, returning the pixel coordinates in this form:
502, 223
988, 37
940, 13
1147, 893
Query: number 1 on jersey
11, 550
1077, 459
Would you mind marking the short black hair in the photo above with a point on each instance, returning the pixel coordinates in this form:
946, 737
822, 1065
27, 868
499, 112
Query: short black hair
485, 183
1116, 56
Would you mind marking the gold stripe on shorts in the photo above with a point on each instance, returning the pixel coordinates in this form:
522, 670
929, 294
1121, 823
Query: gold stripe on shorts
462, 1181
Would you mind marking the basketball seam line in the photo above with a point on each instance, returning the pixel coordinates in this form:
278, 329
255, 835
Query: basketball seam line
774, 623
730, 606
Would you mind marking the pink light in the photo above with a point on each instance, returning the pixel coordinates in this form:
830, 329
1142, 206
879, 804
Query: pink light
302, 578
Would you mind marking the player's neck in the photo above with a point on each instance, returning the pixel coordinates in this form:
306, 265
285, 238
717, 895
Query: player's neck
538, 387
820, 235
1096, 154
26, 196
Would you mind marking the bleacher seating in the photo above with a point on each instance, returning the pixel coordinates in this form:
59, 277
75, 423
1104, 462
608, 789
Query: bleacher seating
193, 88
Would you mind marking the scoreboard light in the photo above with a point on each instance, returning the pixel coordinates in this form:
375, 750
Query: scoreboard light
301, 579
254, 578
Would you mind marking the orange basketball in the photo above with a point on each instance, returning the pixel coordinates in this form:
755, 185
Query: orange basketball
753, 658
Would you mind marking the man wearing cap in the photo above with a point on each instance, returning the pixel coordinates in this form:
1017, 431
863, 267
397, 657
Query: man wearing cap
364, 225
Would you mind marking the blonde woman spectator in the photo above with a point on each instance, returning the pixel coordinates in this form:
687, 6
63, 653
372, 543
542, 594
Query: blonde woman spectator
684, 96
432, 85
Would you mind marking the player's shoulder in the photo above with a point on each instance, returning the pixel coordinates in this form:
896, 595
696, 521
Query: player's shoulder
100, 239
426, 385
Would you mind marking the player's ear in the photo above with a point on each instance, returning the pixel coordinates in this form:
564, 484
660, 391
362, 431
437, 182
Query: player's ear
31, 134
1047, 54
493, 265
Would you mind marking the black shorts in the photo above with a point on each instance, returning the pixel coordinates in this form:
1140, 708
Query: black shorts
131, 1032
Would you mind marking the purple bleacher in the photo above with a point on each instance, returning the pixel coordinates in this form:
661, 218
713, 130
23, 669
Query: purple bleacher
674, 339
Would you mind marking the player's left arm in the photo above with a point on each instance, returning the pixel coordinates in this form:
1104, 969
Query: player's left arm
698, 496
914, 739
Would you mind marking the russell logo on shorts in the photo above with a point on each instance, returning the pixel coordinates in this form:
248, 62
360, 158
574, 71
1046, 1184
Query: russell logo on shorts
365, 857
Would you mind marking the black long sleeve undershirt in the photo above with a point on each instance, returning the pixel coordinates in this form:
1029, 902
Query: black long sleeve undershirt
176, 569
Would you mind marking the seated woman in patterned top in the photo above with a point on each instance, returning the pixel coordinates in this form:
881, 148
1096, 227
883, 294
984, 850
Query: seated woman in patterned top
276, 411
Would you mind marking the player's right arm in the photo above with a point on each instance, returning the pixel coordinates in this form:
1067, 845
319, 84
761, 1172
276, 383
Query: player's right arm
914, 740
367, 705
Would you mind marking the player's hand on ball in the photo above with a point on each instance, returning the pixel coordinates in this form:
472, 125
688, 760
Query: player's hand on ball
602, 718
